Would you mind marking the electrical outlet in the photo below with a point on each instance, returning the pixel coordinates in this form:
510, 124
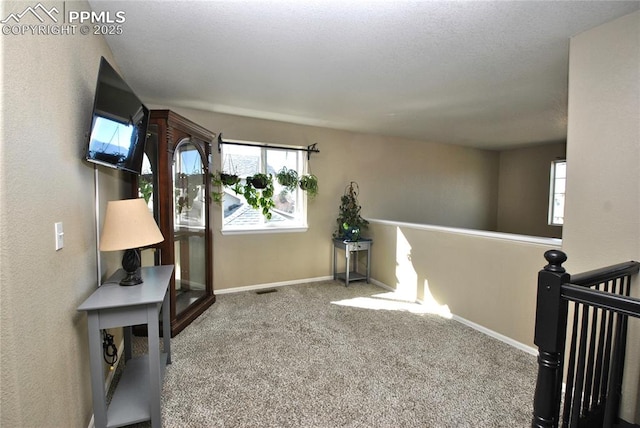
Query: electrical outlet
59, 236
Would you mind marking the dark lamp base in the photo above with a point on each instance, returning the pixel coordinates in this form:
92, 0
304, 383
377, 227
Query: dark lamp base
130, 264
132, 278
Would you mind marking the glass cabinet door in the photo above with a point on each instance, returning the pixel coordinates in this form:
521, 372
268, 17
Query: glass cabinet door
189, 225
179, 154
147, 186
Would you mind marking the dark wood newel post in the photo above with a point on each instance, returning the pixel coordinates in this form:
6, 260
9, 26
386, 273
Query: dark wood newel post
549, 337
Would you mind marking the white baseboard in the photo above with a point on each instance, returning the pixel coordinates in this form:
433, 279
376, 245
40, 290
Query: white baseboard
109, 379
381, 284
501, 337
271, 285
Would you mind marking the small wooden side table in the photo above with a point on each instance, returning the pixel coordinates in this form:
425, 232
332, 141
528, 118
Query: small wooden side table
137, 395
348, 247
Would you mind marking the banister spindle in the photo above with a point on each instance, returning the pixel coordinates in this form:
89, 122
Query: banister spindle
550, 333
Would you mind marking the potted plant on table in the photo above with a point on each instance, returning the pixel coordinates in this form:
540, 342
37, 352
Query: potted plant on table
349, 222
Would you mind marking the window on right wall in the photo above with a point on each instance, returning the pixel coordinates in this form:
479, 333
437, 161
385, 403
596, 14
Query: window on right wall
556, 192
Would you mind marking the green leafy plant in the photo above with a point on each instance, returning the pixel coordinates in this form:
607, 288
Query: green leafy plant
216, 187
220, 180
349, 222
228, 179
288, 178
260, 181
258, 197
145, 188
309, 183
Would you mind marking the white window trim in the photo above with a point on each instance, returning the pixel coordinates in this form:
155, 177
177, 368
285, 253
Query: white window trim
552, 193
267, 228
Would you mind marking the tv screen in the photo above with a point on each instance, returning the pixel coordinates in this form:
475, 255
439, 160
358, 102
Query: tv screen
118, 125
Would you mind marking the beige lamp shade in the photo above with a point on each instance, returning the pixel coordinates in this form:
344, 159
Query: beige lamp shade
128, 224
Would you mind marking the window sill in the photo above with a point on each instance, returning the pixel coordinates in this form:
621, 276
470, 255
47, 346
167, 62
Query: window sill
251, 231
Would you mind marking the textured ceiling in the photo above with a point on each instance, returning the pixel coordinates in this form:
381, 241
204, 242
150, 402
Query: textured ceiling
488, 74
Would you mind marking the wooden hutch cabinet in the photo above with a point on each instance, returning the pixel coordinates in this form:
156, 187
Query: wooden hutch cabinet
175, 182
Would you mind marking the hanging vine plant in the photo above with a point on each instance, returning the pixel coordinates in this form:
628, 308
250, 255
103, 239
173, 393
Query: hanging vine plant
349, 222
225, 178
216, 187
309, 183
228, 175
258, 192
260, 181
288, 178
220, 180
228, 180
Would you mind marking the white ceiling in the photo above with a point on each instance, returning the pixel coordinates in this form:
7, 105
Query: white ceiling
488, 74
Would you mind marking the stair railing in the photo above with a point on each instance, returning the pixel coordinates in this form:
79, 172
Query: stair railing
598, 305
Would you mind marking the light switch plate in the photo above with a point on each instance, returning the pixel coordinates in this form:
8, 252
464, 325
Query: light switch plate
59, 236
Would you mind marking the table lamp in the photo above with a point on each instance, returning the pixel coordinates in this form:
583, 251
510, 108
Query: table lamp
128, 225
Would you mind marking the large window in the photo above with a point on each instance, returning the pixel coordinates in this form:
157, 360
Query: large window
289, 213
556, 192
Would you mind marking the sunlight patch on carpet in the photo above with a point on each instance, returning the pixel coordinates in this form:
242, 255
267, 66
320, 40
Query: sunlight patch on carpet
392, 301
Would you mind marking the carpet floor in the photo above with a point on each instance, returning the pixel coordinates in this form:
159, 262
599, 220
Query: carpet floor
325, 355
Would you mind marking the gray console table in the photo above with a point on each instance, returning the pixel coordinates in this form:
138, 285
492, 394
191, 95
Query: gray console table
137, 395
351, 246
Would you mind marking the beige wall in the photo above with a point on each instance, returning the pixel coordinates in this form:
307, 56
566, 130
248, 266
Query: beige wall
602, 216
48, 85
399, 179
43, 179
523, 190
489, 280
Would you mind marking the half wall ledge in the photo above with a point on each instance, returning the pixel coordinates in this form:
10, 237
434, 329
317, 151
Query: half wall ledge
556, 242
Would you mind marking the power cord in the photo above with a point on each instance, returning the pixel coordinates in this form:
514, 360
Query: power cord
110, 351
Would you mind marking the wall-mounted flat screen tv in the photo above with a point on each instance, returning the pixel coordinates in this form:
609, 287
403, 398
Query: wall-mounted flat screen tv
118, 125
